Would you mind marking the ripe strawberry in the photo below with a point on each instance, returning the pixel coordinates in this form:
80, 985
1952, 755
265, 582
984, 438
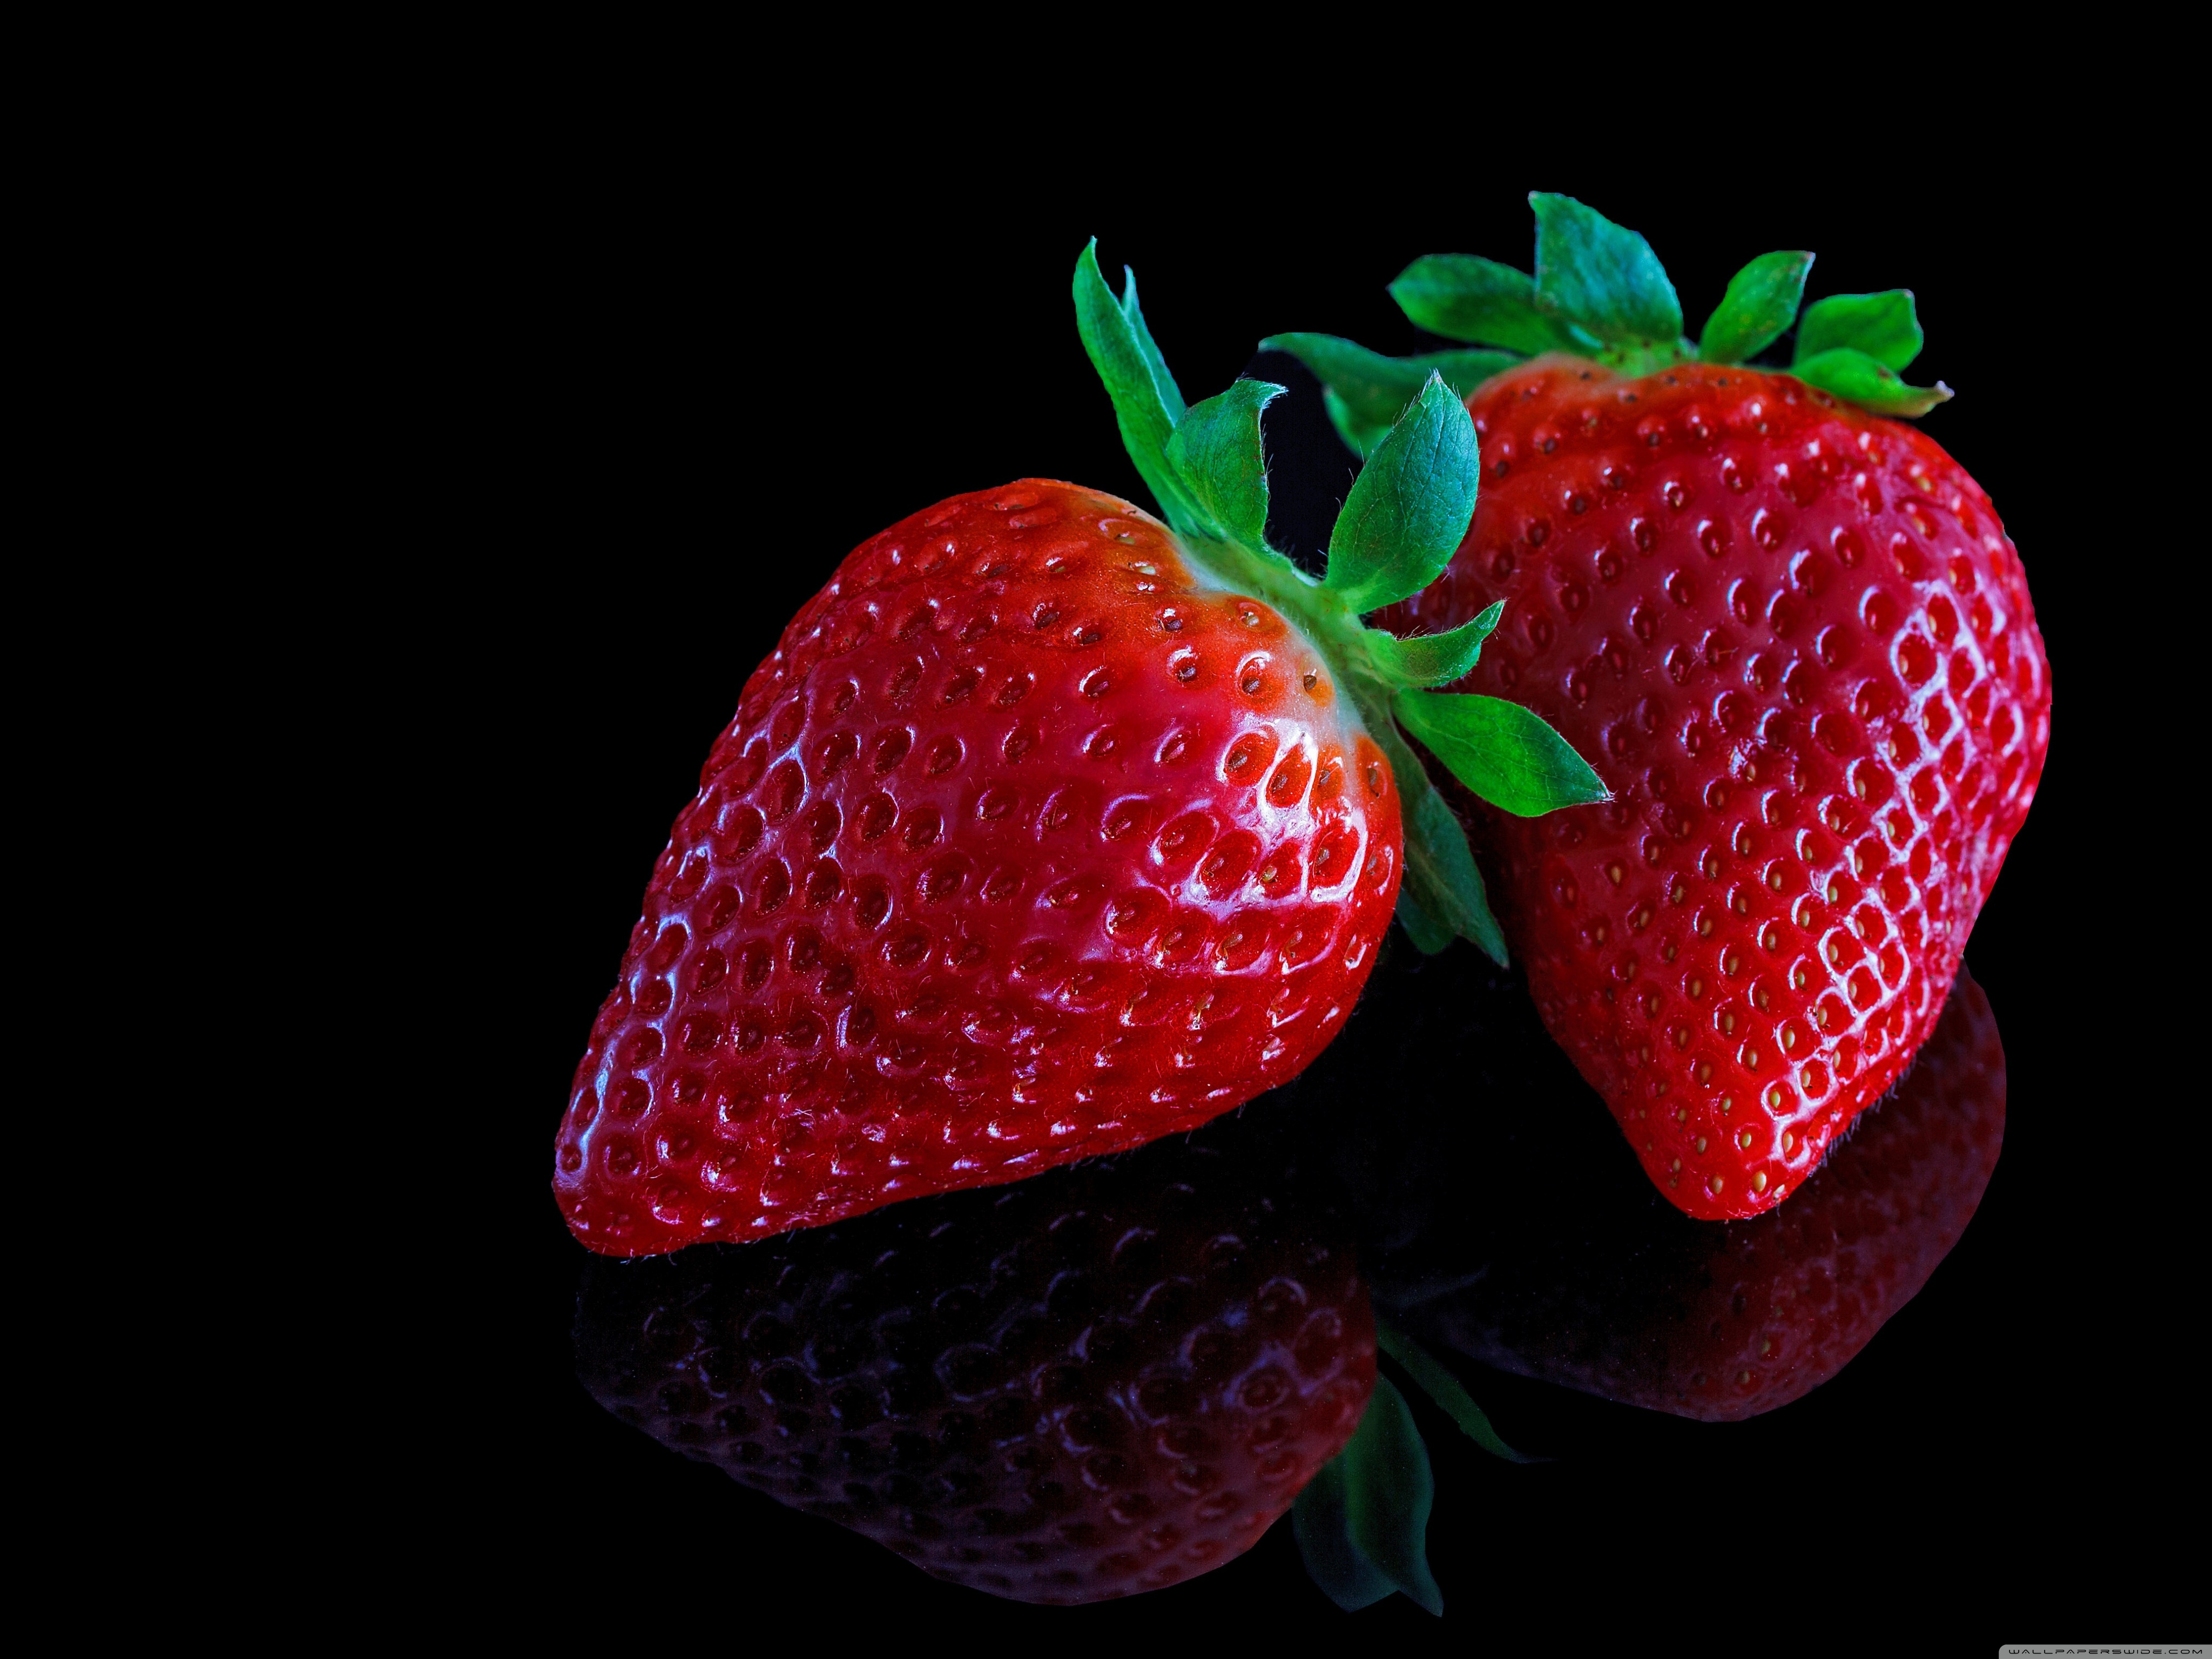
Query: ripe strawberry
1100, 1381
1047, 829
1798, 641
1644, 1306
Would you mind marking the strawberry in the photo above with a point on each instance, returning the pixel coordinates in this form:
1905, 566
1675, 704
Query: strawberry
1103, 1381
1645, 1307
1047, 829
1798, 639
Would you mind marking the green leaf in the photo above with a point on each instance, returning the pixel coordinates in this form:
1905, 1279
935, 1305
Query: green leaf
1387, 1493
1445, 1389
1146, 403
1760, 302
1360, 435
1857, 378
1440, 871
1505, 753
1429, 936
1171, 393
1372, 390
1465, 298
1410, 505
1884, 326
1440, 879
1216, 452
1593, 272
1424, 660
1324, 1535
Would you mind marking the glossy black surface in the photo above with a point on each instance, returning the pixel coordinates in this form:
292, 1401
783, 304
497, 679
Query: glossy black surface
1091, 1384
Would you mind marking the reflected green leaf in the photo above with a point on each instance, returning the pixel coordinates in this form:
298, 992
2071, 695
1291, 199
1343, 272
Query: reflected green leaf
1447, 1390
1388, 1491
1323, 1530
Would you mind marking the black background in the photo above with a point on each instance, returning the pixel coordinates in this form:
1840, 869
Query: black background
677, 381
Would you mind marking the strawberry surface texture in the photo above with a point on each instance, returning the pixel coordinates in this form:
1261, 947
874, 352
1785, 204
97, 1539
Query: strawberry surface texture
1105, 1380
1027, 843
1795, 642
1643, 1306
1788, 630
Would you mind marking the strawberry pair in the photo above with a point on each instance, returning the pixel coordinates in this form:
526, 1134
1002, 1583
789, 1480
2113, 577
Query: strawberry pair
1118, 1376
1050, 828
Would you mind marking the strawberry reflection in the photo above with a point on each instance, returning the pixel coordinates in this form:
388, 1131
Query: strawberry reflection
1505, 1220
1095, 1382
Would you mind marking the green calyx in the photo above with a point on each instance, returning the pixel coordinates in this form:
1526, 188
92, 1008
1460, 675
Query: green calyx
1404, 518
1599, 292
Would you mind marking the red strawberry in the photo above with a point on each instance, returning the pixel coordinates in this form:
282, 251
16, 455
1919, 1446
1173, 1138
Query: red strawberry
1047, 831
1723, 1323
1798, 642
1024, 846
1098, 1382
